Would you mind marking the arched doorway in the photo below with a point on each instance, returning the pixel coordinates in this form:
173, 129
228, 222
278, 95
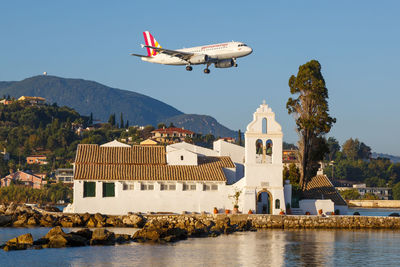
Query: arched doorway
264, 202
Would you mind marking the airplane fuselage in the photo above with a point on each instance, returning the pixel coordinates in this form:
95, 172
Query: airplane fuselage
215, 52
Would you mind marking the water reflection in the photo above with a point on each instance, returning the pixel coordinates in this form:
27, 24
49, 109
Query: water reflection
262, 248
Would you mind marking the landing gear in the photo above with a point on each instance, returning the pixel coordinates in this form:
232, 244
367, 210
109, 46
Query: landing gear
207, 70
189, 68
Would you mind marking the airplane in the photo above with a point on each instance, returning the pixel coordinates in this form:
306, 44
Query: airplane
222, 55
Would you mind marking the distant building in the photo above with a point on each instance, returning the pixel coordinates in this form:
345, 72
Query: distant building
383, 193
6, 102
171, 135
65, 175
290, 156
37, 159
34, 100
25, 178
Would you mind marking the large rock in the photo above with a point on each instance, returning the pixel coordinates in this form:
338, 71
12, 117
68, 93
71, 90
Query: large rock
85, 233
102, 237
32, 221
160, 231
133, 221
114, 221
19, 243
100, 218
3, 208
48, 221
122, 238
58, 238
21, 221
55, 231
5, 220
57, 241
76, 219
91, 223
10, 209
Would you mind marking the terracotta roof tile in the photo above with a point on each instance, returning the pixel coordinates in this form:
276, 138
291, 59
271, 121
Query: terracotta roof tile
320, 187
143, 163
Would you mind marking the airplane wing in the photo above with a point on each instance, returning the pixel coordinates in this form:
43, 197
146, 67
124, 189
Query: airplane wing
173, 53
137, 55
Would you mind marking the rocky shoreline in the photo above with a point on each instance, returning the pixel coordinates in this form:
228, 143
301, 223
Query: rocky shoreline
162, 228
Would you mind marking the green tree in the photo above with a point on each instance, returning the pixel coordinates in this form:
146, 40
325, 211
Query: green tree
239, 142
354, 149
292, 173
121, 123
334, 147
90, 122
111, 119
396, 191
310, 110
370, 196
351, 194
161, 125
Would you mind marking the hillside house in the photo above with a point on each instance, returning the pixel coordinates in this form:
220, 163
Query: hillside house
171, 135
33, 100
33, 180
64, 175
6, 101
37, 159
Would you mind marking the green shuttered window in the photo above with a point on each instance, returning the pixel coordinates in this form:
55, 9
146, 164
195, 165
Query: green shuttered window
89, 189
108, 189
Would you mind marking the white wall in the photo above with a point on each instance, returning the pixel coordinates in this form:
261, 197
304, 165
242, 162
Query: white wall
235, 152
313, 205
196, 149
137, 200
181, 157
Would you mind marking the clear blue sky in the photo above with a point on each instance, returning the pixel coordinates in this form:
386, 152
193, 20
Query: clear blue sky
356, 42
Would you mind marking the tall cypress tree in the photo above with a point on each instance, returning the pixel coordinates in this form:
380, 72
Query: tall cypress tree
310, 110
121, 121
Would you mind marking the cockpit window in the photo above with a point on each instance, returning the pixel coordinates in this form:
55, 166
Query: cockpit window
242, 45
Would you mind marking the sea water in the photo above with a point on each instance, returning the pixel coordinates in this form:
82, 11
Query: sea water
275, 247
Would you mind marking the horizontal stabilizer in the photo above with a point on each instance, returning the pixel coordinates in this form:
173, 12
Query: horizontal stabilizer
137, 55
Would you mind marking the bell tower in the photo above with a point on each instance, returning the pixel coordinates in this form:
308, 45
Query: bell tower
263, 161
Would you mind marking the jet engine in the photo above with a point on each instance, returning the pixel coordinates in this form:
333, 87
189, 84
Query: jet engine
198, 59
225, 63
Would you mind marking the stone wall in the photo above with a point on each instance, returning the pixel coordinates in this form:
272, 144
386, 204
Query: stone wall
297, 221
375, 203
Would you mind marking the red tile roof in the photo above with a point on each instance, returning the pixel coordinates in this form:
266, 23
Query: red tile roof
172, 130
143, 163
320, 187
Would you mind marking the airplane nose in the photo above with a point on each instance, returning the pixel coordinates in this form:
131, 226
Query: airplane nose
250, 50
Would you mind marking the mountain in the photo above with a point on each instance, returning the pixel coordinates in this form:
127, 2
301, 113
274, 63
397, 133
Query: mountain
201, 124
88, 96
394, 159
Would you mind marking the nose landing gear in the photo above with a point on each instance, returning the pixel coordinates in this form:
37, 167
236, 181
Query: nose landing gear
207, 71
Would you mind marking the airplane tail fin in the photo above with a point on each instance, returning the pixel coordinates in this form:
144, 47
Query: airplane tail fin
149, 40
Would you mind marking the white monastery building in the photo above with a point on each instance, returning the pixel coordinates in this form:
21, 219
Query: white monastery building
117, 178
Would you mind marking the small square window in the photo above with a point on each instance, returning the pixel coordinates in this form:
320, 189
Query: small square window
172, 187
